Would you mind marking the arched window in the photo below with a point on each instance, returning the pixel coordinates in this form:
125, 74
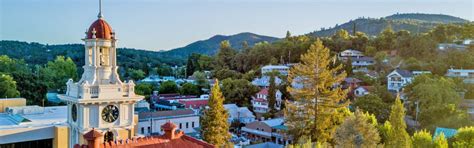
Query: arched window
109, 136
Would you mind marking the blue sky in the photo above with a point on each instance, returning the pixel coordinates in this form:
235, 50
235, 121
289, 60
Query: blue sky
167, 24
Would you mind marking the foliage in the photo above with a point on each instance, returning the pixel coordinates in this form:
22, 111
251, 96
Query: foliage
440, 141
56, 73
272, 90
437, 97
190, 89
201, 80
422, 139
168, 87
238, 91
136, 74
398, 137
373, 104
357, 130
214, 125
464, 137
227, 73
317, 110
224, 56
144, 89
31, 87
8, 87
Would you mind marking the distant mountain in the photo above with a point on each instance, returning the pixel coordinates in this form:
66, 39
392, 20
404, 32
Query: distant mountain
413, 22
211, 45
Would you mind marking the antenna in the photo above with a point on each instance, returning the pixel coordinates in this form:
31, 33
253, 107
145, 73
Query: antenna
100, 9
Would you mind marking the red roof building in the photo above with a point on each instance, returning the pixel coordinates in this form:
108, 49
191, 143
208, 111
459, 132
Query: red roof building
171, 138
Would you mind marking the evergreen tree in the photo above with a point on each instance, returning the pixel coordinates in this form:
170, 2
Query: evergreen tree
422, 139
398, 137
225, 56
317, 109
464, 137
358, 130
348, 66
440, 141
272, 89
214, 125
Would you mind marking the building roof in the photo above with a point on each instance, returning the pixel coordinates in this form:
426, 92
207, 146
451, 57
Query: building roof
166, 114
235, 111
102, 30
404, 73
366, 88
264, 81
274, 122
448, 132
194, 103
275, 67
352, 80
362, 59
171, 138
263, 91
50, 116
265, 145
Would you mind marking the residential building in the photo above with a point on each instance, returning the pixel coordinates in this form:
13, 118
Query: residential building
466, 74
361, 64
152, 79
264, 81
241, 114
349, 53
265, 145
260, 101
282, 69
272, 130
177, 101
149, 123
362, 91
398, 79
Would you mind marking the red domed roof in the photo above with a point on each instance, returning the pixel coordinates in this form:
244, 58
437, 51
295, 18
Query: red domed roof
102, 30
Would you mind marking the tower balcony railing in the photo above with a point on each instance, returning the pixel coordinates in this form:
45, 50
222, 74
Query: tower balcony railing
86, 91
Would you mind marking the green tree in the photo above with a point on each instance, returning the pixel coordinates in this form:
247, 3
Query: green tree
422, 139
238, 91
136, 74
373, 104
348, 67
225, 56
190, 89
437, 97
56, 73
201, 80
227, 73
272, 89
317, 109
398, 137
440, 141
193, 64
144, 89
464, 137
8, 87
168, 87
214, 125
357, 130
32, 87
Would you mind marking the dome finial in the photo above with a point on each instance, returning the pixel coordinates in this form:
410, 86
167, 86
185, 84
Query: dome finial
100, 9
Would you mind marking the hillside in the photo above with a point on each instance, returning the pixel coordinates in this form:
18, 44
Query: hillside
413, 22
211, 45
36, 53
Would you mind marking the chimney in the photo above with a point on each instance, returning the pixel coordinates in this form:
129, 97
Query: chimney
93, 138
170, 131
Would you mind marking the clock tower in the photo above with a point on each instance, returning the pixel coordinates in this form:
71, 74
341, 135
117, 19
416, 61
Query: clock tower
100, 100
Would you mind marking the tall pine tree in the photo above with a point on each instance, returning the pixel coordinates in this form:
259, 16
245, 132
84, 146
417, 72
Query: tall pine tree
214, 125
398, 137
317, 109
272, 89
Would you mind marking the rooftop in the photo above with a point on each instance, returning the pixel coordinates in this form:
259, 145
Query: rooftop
51, 116
167, 114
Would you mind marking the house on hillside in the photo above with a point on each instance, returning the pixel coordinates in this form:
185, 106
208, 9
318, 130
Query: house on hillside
282, 69
361, 64
466, 74
272, 130
241, 114
362, 91
398, 79
350, 53
264, 81
260, 101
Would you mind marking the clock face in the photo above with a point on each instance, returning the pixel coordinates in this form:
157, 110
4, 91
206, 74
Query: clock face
74, 112
110, 113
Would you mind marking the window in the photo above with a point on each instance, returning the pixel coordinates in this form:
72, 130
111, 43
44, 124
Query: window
192, 124
180, 125
149, 129
143, 130
187, 125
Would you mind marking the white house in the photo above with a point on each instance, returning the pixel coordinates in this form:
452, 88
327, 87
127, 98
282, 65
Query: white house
344, 55
264, 81
241, 114
282, 69
260, 101
398, 79
361, 64
362, 91
150, 122
466, 74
